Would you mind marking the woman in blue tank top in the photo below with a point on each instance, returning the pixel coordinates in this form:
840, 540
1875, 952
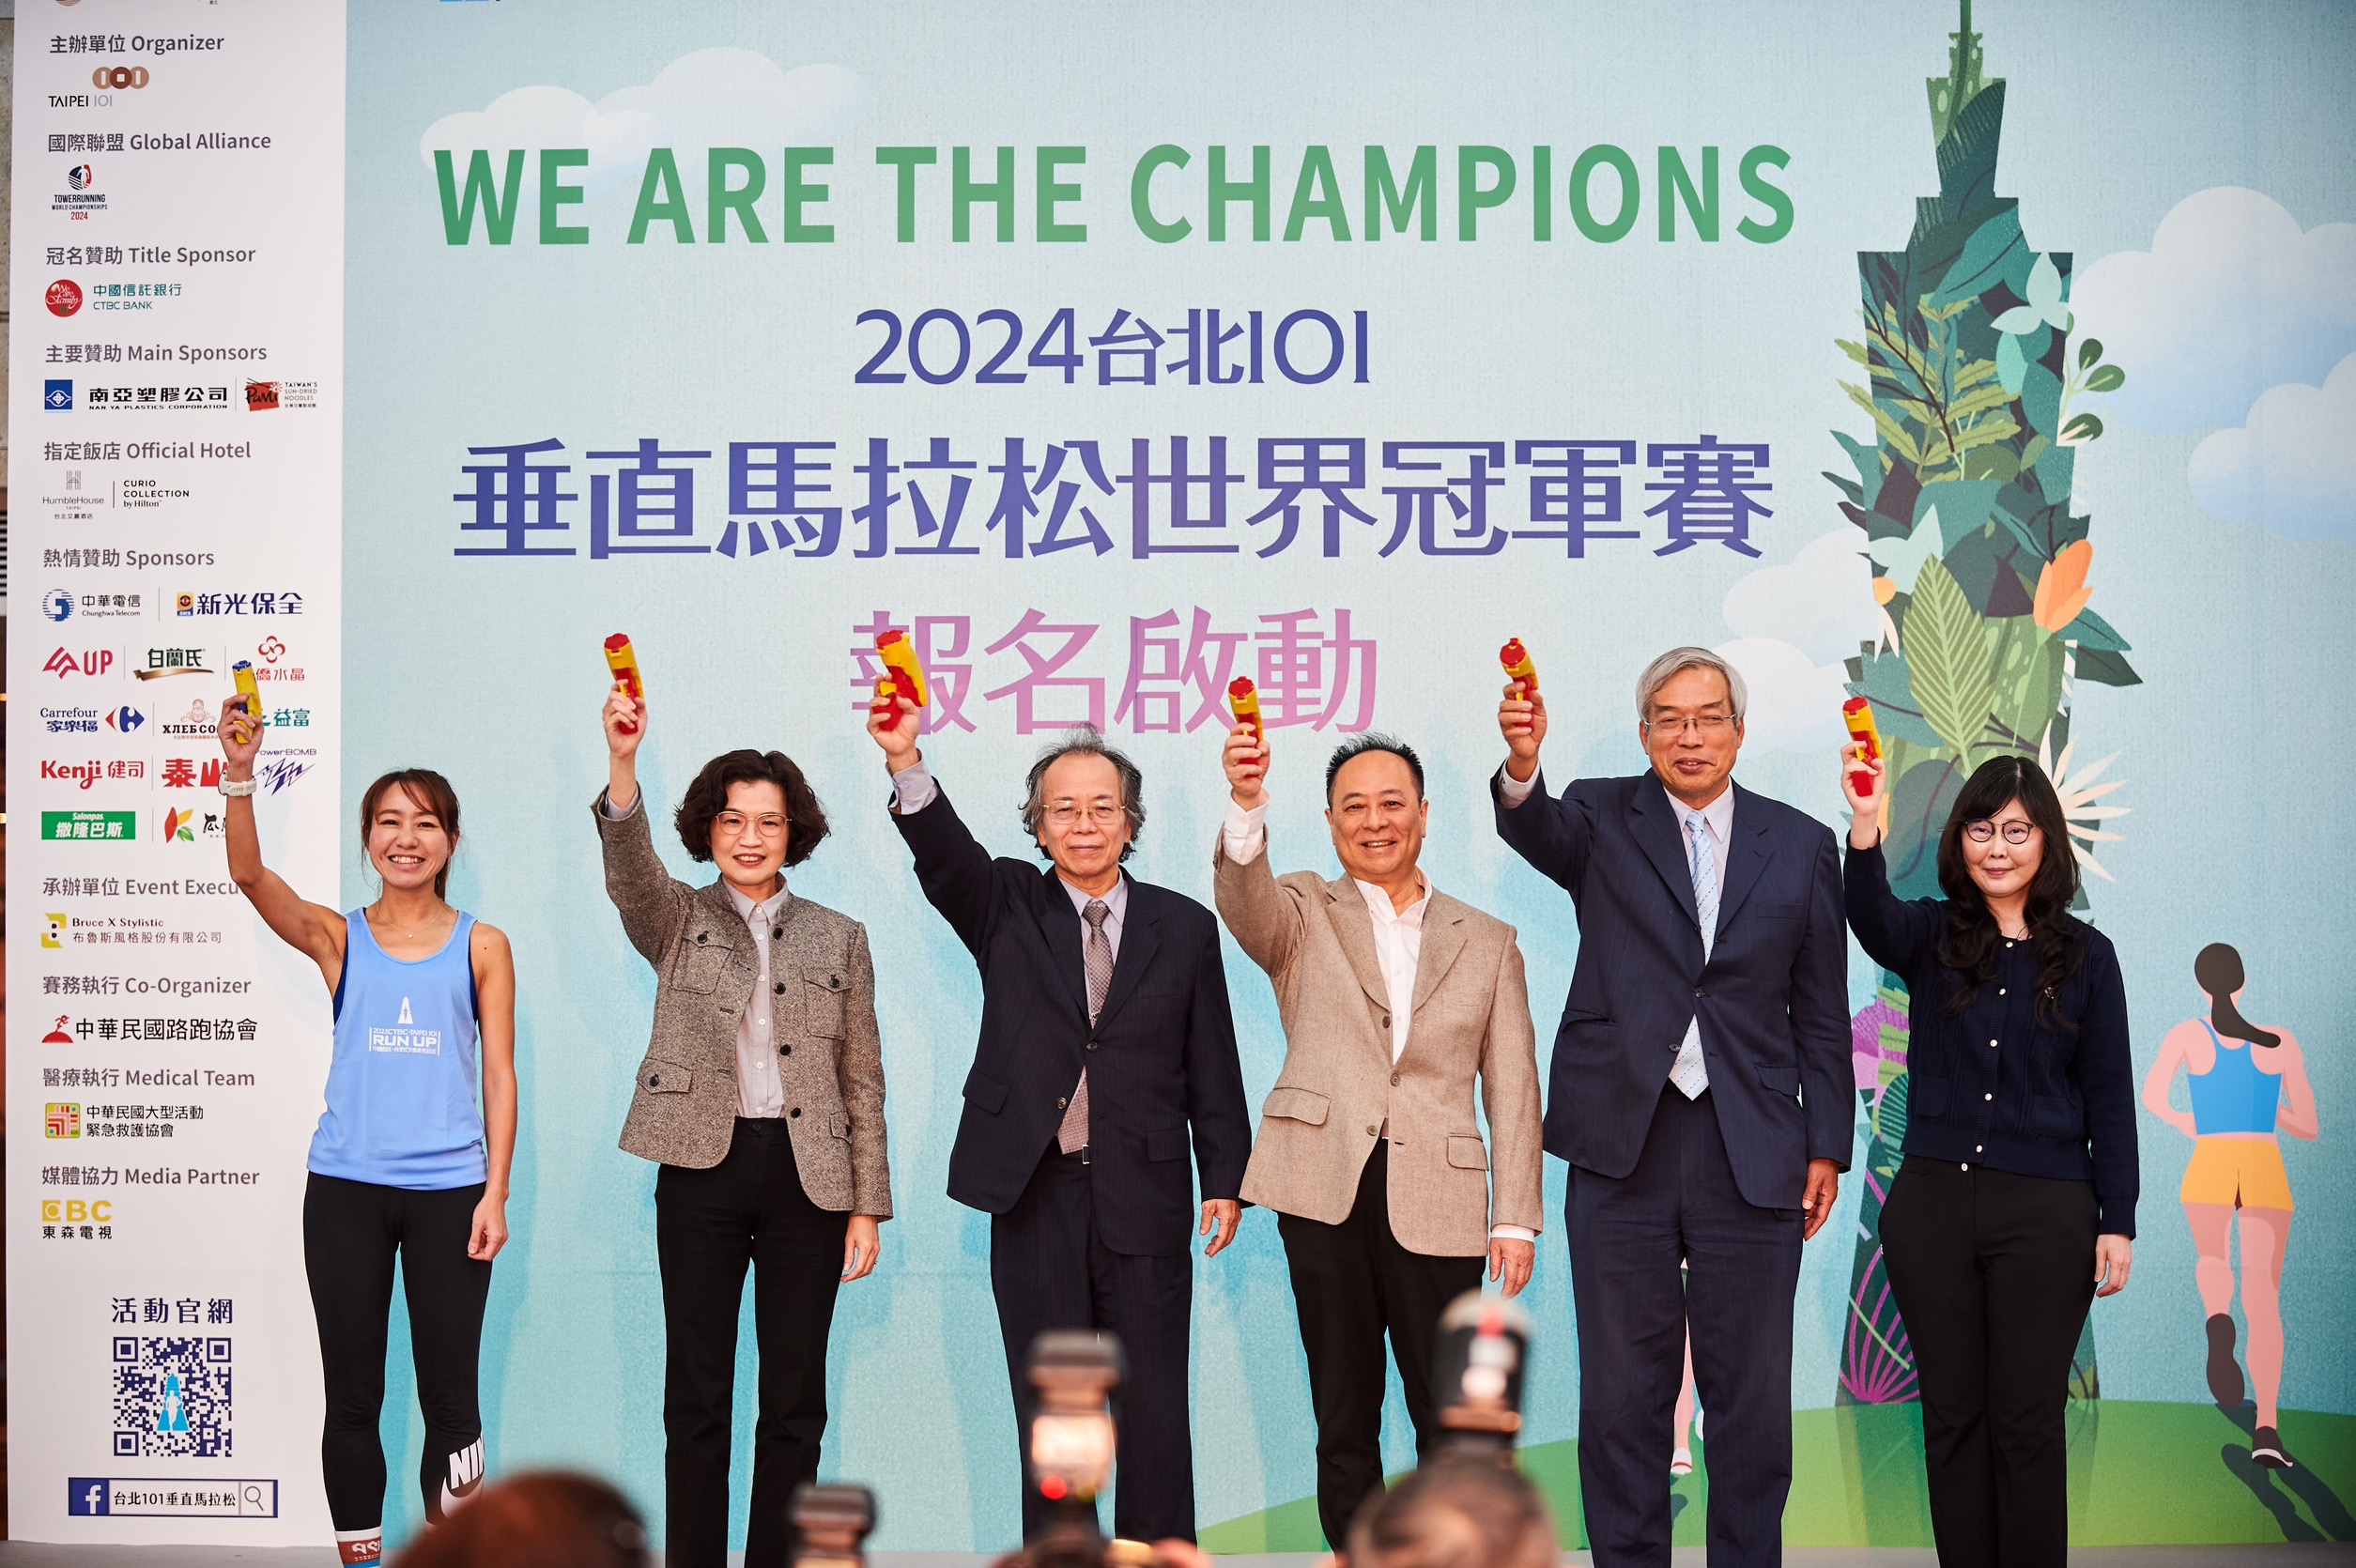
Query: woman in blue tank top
407, 1162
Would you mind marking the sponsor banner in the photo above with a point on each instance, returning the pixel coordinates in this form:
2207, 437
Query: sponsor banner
177, 262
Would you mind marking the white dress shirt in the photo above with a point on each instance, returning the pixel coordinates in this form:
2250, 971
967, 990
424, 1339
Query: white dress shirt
759, 1093
1398, 942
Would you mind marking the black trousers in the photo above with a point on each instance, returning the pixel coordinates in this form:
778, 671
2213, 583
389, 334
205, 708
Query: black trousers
1050, 1268
1993, 1274
1627, 1237
1352, 1282
708, 1225
351, 1232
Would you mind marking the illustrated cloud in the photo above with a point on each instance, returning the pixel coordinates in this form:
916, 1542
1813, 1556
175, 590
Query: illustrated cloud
2232, 298
1820, 602
711, 98
1794, 702
2291, 466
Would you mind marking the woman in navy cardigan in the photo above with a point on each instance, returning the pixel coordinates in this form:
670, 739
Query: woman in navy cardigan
2016, 1203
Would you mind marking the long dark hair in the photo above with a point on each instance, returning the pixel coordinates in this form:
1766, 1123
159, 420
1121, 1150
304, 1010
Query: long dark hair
1969, 945
430, 790
2219, 971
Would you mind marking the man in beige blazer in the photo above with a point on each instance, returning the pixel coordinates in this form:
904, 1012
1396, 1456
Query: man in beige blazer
1395, 997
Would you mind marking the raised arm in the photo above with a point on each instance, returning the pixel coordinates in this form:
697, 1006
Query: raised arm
1553, 836
1265, 919
952, 867
493, 964
1896, 934
649, 899
313, 930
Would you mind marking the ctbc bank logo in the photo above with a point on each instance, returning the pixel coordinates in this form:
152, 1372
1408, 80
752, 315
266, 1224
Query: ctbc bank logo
90, 661
64, 297
119, 76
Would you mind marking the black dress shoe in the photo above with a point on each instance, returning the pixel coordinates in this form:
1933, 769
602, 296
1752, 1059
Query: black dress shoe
2225, 1373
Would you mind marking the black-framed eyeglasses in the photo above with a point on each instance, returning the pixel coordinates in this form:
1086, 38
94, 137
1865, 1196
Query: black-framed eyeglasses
2015, 831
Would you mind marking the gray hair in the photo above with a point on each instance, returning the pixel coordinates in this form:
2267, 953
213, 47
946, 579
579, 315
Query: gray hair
1660, 670
1086, 740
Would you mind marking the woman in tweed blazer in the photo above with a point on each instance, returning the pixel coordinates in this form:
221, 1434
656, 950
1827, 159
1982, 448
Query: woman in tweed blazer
761, 1099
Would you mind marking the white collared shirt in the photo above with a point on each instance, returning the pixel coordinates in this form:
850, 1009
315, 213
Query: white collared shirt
1398, 943
760, 1089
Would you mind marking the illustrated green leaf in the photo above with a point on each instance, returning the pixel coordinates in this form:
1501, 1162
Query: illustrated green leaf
2104, 666
2090, 352
2011, 364
1901, 558
2106, 378
2091, 630
2086, 427
1985, 257
1947, 660
2045, 290
2019, 319
1855, 350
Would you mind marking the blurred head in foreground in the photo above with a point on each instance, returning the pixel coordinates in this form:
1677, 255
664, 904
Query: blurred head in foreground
539, 1519
1455, 1513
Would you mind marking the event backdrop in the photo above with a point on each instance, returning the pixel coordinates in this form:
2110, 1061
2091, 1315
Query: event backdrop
1998, 366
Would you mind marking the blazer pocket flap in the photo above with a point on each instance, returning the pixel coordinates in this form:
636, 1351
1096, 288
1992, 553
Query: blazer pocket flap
1166, 1142
666, 1078
827, 976
1467, 1153
1299, 1105
1782, 1077
985, 1092
840, 1128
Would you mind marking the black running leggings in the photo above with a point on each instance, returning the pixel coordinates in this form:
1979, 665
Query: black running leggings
350, 1232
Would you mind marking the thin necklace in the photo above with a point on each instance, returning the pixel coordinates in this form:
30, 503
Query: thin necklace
376, 910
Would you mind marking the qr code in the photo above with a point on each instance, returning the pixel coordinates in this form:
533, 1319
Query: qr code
170, 1397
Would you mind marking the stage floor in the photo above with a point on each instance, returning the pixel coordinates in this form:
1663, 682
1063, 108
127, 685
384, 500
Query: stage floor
26, 1553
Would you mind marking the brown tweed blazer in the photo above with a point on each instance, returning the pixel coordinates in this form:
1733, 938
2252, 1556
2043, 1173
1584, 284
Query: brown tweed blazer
830, 1058
1317, 940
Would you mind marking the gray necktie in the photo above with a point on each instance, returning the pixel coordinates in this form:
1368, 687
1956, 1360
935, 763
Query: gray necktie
1689, 1073
1072, 1134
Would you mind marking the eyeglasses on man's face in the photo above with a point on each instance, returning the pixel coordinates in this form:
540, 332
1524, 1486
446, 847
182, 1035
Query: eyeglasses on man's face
2015, 831
769, 825
1103, 813
1708, 726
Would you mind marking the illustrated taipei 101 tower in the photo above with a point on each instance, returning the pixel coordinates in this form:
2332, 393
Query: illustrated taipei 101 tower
1965, 495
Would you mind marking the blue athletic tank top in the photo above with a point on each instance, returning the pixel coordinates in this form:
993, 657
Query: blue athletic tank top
2234, 1095
401, 1091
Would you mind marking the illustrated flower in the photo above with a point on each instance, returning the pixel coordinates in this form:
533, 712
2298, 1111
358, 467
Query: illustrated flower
1884, 590
2079, 793
2062, 587
2046, 306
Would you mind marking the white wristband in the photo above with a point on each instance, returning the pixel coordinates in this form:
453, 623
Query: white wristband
239, 789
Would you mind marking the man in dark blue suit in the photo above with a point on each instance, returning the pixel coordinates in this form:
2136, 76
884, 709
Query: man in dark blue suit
1105, 1037
1701, 1092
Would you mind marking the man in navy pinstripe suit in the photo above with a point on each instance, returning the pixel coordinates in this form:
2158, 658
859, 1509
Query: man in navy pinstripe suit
1106, 1040
1701, 1092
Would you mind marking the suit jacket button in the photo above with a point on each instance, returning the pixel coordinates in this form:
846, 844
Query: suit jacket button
778, 934
1699, 991
795, 1112
655, 1081
785, 1051
1092, 1045
1063, 1104
1395, 1077
1370, 1132
703, 937
780, 987
1386, 1021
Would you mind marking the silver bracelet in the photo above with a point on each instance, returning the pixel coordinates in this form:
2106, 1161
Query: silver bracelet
240, 789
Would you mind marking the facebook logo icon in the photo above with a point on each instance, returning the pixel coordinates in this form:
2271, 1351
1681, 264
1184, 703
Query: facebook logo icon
86, 1496
57, 396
